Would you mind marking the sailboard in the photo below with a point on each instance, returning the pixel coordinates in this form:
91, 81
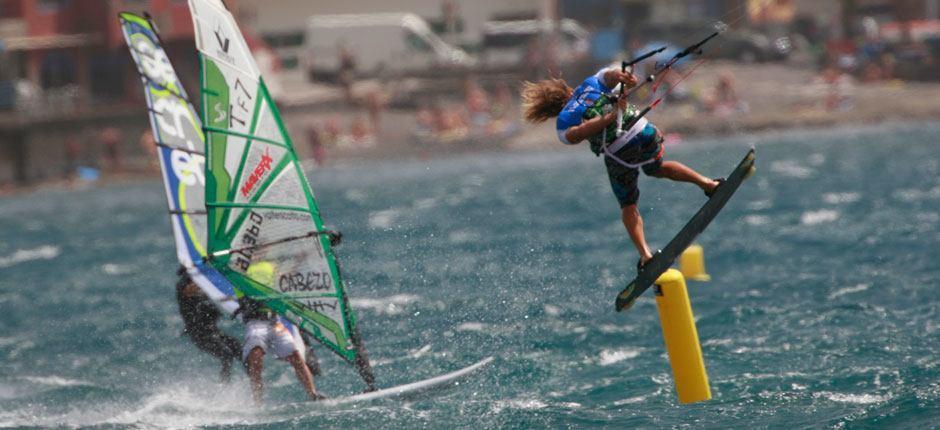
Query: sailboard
664, 259
414, 389
180, 142
264, 229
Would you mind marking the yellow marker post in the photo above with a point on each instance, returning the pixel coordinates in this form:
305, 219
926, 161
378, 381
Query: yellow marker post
681, 337
692, 264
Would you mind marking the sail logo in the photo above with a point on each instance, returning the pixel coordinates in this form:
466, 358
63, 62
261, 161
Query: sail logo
222, 114
222, 44
263, 167
154, 63
187, 168
304, 282
250, 240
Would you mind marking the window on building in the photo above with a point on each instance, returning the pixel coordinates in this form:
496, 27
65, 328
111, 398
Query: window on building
53, 5
57, 70
107, 76
10, 9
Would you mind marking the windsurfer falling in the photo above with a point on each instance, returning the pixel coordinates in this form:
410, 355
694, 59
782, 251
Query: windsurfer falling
590, 112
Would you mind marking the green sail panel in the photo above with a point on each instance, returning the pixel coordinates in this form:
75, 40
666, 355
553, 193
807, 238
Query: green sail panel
265, 233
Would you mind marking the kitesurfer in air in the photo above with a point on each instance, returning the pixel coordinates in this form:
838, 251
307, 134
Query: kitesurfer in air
200, 323
589, 112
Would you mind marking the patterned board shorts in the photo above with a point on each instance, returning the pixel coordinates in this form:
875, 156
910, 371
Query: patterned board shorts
623, 179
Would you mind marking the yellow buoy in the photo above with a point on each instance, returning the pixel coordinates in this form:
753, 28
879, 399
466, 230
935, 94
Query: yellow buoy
681, 338
692, 264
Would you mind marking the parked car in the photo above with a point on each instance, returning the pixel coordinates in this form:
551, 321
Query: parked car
381, 44
506, 44
743, 45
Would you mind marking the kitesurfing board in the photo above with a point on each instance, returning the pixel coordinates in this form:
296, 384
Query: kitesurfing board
664, 259
414, 388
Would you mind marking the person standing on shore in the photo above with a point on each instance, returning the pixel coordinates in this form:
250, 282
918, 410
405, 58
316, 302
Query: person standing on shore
590, 112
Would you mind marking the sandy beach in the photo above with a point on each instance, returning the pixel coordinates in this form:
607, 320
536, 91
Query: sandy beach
778, 97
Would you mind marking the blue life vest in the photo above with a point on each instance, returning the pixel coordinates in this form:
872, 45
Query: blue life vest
583, 97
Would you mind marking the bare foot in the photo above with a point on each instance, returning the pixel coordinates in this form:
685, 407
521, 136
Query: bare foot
715, 183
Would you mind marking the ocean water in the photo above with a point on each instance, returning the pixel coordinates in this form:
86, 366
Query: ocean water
822, 311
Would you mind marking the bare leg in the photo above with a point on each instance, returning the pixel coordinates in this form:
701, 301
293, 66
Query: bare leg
303, 374
255, 368
680, 172
634, 225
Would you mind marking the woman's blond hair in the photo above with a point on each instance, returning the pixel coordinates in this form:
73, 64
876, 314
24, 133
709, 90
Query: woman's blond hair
544, 99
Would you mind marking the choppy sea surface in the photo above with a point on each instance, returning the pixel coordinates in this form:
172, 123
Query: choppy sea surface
822, 311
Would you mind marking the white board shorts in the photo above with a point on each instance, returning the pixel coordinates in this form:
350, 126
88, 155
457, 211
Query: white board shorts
270, 336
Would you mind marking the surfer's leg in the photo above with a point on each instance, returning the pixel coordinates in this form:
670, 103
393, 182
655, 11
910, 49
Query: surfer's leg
623, 182
303, 375
255, 367
633, 222
677, 171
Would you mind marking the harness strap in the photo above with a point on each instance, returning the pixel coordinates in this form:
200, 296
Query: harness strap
623, 140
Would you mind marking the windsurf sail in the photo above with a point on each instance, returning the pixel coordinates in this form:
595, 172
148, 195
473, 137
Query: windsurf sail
181, 149
265, 232
180, 142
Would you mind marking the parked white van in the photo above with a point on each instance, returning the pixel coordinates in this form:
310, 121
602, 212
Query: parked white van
381, 44
507, 43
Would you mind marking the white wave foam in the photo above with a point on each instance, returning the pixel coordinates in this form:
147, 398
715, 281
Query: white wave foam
392, 305
816, 159
914, 195
860, 399
612, 328
45, 252
717, 342
757, 220
630, 401
471, 326
841, 198
819, 217
420, 352
116, 269
523, 404
462, 236
791, 168
57, 381
609, 356
424, 204
383, 219
848, 290
759, 205
175, 407
552, 311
